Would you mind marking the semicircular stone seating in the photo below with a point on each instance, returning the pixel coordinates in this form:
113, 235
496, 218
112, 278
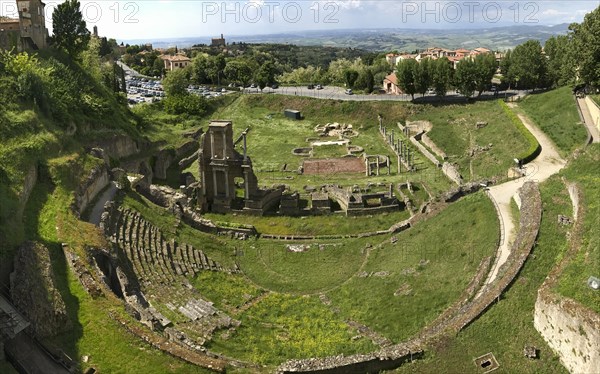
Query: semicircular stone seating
153, 257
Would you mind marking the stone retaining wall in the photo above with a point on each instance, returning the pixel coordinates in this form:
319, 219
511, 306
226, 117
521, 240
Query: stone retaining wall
570, 329
594, 111
415, 141
437, 150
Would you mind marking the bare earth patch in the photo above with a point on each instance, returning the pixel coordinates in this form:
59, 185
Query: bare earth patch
334, 165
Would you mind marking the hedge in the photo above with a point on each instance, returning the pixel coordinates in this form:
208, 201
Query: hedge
534, 148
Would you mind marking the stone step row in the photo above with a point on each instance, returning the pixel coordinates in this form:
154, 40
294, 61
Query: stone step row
152, 256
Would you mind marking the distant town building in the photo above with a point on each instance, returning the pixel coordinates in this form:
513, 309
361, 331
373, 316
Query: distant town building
390, 85
178, 61
218, 42
28, 31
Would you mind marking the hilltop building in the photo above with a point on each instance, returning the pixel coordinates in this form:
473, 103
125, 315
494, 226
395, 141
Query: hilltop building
28, 31
218, 42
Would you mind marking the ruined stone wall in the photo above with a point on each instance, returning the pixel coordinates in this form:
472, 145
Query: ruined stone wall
437, 150
96, 181
424, 151
119, 146
451, 172
34, 292
570, 329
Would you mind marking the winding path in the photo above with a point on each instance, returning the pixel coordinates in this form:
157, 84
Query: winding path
548, 163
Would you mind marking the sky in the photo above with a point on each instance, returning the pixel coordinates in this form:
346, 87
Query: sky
164, 19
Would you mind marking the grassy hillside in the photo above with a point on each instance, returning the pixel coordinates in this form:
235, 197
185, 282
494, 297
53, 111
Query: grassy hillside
555, 113
585, 171
507, 326
51, 107
455, 131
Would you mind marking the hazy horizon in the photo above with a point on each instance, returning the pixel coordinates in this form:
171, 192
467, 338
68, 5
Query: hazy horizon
168, 19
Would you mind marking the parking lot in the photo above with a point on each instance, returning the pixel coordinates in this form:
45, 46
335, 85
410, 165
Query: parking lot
147, 90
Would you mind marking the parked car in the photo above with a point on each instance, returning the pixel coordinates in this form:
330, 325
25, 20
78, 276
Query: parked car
319, 87
349, 92
274, 86
310, 86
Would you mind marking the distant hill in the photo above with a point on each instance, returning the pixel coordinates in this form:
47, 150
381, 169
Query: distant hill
379, 40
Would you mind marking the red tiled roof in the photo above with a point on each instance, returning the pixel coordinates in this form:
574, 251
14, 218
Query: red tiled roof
392, 78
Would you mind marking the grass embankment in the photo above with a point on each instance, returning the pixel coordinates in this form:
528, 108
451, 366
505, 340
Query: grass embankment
555, 113
335, 224
426, 275
585, 171
95, 334
455, 131
507, 326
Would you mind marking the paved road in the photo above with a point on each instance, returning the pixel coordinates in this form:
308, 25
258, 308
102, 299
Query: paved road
545, 165
588, 120
338, 93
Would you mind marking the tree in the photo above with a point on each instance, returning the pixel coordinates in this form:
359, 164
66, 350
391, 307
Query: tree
238, 71
350, 77
483, 72
406, 76
528, 65
200, 65
558, 49
70, 31
442, 76
465, 77
265, 75
176, 82
422, 76
586, 48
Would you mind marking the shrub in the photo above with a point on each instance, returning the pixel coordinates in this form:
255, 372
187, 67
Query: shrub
185, 104
534, 148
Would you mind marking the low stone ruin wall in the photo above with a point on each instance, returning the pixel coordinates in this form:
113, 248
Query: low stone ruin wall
415, 141
594, 111
437, 150
386, 359
570, 329
451, 172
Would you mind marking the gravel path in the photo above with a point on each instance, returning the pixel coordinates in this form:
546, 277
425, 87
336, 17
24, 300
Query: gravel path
545, 165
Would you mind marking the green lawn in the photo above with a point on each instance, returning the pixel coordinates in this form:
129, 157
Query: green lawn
585, 171
507, 326
323, 264
428, 274
454, 131
282, 327
555, 112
